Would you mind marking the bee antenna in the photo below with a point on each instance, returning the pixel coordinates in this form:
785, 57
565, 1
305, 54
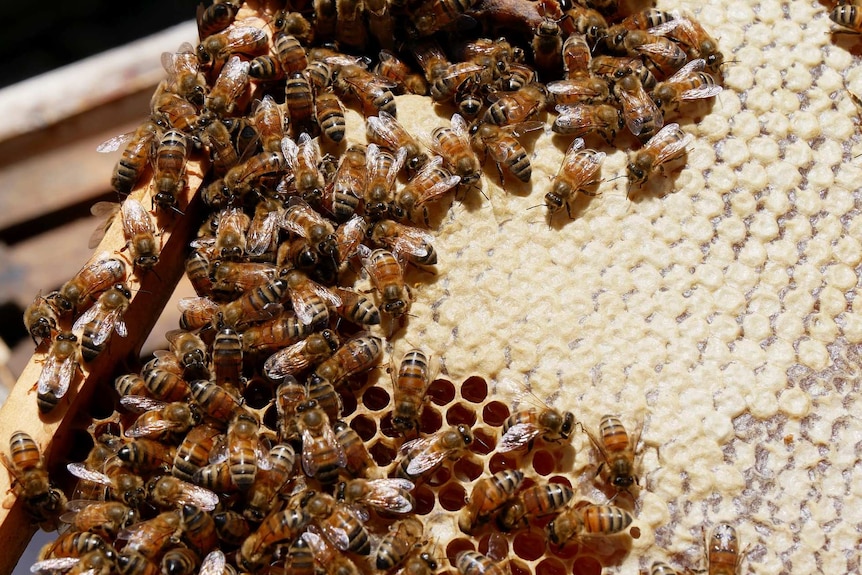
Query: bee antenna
616, 178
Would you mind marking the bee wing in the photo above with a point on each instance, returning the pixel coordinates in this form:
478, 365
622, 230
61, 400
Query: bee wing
459, 126
115, 143
290, 151
577, 144
81, 471
349, 235
262, 231
220, 451
636, 109
261, 453
214, 563
518, 436
196, 495
705, 91
151, 427
522, 128
288, 361
690, 68
136, 219
659, 51
104, 328
309, 149
50, 372
62, 372
388, 494
338, 536
670, 144
303, 301
54, 564
86, 317
427, 459
412, 241
324, 293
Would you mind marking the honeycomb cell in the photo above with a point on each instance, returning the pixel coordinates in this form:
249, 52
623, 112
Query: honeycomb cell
560, 479
270, 417
258, 393
424, 500
529, 545
441, 391
431, 420
348, 403
543, 462
501, 462
459, 413
440, 476
495, 413
484, 441
550, 566
586, 566
494, 545
375, 398
364, 426
456, 546
386, 427
382, 453
519, 568
467, 469
451, 496
474, 389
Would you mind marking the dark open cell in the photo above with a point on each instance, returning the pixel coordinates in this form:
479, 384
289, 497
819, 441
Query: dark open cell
258, 393
550, 566
348, 403
375, 398
364, 426
431, 420
543, 462
424, 500
441, 391
518, 567
382, 453
560, 479
483, 441
474, 389
451, 496
500, 462
495, 414
459, 413
466, 469
270, 417
529, 545
586, 566
456, 546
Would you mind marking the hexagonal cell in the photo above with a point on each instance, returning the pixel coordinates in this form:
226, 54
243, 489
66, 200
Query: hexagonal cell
457, 545
375, 398
364, 426
495, 413
459, 413
348, 403
474, 389
586, 566
484, 441
424, 500
550, 566
518, 567
441, 391
543, 462
467, 469
529, 545
382, 454
430, 421
451, 496
494, 545
258, 393
500, 461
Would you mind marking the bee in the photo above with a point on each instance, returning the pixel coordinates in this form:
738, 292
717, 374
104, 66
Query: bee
667, 145
197, 312
662, 568
438, 14
151, 538
131, 384
547, 45
245, 449
140, 234
662, 56
431, 58
586, 89
642, 20
535, 501
689, 83
388, 495
101, 320
42, 501
169, 176
300, 558
215, 476
122, 485
167, 491
453, 144
420, 563
215, 17
642, 116
245, 40
446, 84
282, 331
579, 19
356, 307
496, 55
322, 455
381, 25
231, 527
280, 526
229, 87
290, 54
139, 147
299, 99
269, 119
197, 270
58, 371
407, 243
469, 97
158, 419
301, 219
41, 318
230, 243
536, 419
722, 550
104, 518
97, 276
587, 521
421, 456
576, 56
358, 354
382, 168
578, 171
488, 495
302, 159
298, 357
172, 111
73, 544
259, 304
144, 455
294, 23
329, 114
471, 562
338, 523
179, 561
409, 387
231, 279
184, 77
222, 152
331, 560
688, 32
373, 92
582, 119
164, 384
193, 452
403, 536
191, 351
393, 68
427, 185
351, 30
385, 131
348, 185
263, 230
310, 300
387, 277
240, 179
504, 149
95, 562
198, 526
358, 462
227, 359
262, 496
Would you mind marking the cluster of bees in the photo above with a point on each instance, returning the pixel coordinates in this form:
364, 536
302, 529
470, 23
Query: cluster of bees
236, 449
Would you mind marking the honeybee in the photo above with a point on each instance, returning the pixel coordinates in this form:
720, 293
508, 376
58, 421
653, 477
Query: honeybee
689, 83
393, 68
358, 354
338, 523
151, 537
535, 501
122, 484
301, 219
535, 419
449, 80
216, 477
387, 277
389, 495
407, 243
73, 544
246, 40
104, 518
382, 169
322, 455
299, 99
164, 384
427, 185
193, 452
576, 54
358, 462
582, 119
373, 92
245, 449
198, 526
42, 501
158, 419
280, 526
197, 270
274, 334
331, 560
58, 371
662, 568
262, 497
436, 15
642, 116
578, 171
227, 359
661, 55
547, 45
191, 351
422, 455
178, 561
699, 44
231, 527
584, 89
95, 562
197, 312
230, 279
403, 536
722, 550
469, 97
348, 186
420, 563
453, 144
294, 23
172, 111
99, 274
488, 495
259, 304
140, 234
143, 455
222, 152
269, 120
667, 145
471, 562
504, 149
168, 491
385, 131
230, 243
41, 318
408, 389
329, 114
584, 20
356, 307
302, 159
101, 320
184, 77
169, 177
309, 299
240, 179
300, 356
263, 230
232, 81
587, 521
215, 17
130, 384
140, 145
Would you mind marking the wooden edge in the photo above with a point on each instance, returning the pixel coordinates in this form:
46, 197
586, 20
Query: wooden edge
150, 293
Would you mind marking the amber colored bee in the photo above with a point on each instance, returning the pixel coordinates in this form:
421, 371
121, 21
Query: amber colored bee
215, 477
722, 550
310, 300
576, 55
245, 40
231, 527
578, 171
139, 147
407, 243
197, 312
290, 54
167, 491
322, 455
409, 386
431, 58
387, 277
213, 400
534, 420
547, 45
198, 526
385, 131
73, 544
580, 89
229, 87
191, 351
284, 525
373, 92
164, 384
349, 183
300, 356
356, 307
382, 168
299, 100
241, 178
387, 495
193, 452
197, 270
587, 521
470, 97
263, 230
667, 145
245, 449
393, 68
143, 455
274, 334
262, 496
535, 501
453, 144
269, 119
302, 160
158, 419
41, 317
329, 114
101, 320
470, 562
230, 279
489, 494
437, 14
184, 76
582, 119
420, 563
427, 185
357, 355
641, 20
339, 523
95, 277
422, 455
301, 219
689, 83
217, 139
169, 175
215, 17
95, 562
123, 485
294, 23
58, 371
172, 111
403, 537
152, 537
580, 19
504, 149
104, 518
642, 116
330, 559
299, 559
661, 55
259, 304
178, 561
446, 84
42, 501
140, 234
231, 241
688, 32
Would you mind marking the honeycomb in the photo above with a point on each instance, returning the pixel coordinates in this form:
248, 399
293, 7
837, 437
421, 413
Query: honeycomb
724, 292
